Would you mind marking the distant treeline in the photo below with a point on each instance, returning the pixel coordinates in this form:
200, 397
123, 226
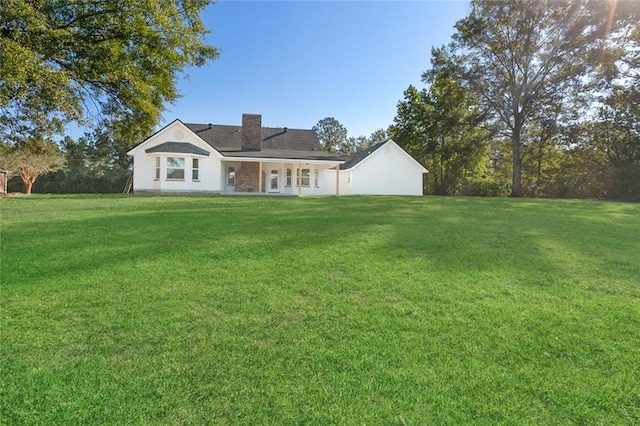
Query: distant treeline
65, 182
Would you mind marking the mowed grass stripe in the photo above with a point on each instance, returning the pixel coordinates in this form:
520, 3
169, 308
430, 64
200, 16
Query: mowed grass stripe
352, 310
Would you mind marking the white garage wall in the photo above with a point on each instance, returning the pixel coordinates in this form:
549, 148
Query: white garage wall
389, 170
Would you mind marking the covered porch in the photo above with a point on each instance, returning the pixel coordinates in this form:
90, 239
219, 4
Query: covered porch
279, 176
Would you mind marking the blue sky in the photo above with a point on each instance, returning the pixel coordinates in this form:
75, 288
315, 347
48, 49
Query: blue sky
296, 62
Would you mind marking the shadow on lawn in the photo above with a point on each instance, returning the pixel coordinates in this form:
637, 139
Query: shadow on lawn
535, 242
463, 234
100, 235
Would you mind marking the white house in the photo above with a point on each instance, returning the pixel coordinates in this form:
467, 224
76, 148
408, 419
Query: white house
383, 169
250, 158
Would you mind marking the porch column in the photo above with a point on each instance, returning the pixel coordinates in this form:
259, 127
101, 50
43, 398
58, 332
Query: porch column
299, 179
337, 179
260, 176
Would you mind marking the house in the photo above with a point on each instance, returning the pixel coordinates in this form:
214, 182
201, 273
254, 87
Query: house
383, 169
183, 157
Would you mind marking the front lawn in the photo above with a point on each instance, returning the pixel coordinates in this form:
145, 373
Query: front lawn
350, 310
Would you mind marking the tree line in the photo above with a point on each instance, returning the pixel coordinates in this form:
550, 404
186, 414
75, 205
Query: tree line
531, 98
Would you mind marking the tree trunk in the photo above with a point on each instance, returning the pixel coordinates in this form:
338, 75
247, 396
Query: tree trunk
539, 171
516, 181
27, 186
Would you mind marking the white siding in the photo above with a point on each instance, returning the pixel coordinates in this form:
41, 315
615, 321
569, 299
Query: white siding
323, 187
389, 170
144, 164
328, 182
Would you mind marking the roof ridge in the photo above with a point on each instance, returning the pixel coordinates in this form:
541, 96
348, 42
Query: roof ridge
240, 126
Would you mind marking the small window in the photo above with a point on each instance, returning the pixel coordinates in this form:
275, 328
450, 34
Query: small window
231, 176
303, 177
315, 177
288, 177
157, 168
175, 168
195, 169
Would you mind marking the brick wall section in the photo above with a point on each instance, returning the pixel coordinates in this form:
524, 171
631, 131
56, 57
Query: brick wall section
247, 177
251, 132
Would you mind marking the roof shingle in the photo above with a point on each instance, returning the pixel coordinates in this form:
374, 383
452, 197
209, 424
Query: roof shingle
353, 159
178, 148
224, 138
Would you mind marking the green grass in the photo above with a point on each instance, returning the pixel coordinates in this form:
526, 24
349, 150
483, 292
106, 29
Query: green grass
352, 310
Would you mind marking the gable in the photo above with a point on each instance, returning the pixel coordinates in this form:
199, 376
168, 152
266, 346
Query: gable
352, 160
390, 146
175, 137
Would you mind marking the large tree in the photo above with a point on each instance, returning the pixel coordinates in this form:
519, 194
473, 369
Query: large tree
114, 60
30, 159
442, 127
332, 135
521, 56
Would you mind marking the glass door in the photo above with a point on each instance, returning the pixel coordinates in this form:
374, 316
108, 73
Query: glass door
274, 181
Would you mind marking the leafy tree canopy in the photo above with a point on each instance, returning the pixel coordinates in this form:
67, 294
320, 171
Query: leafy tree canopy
441, 128
32, 158
519, 57
113, 61
332, 134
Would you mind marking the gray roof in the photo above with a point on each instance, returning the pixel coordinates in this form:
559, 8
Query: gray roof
178, 147
277, 142
280, 153
354, 159
227, 138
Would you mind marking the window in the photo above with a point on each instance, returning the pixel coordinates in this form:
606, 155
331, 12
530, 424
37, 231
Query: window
231, 176
175, 168
288, 177
315, 177
305, 177
195, 169
157, 168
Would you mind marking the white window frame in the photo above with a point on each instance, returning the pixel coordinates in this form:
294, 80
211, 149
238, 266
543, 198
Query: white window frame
315, 178
175, 167
288, 180
157, 168
302, 176
231, 176
195, 169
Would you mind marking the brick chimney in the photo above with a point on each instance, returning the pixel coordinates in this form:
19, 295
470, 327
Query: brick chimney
251, 132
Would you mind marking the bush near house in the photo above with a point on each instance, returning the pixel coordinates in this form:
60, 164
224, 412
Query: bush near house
340, 310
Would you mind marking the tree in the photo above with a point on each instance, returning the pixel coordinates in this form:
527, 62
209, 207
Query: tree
114, 60
360, 143
377, 136
521, 56
31, 159
409, 128
332, 135
355, 144
441, 127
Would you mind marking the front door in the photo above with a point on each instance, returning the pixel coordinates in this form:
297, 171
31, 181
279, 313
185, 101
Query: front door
274, 181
